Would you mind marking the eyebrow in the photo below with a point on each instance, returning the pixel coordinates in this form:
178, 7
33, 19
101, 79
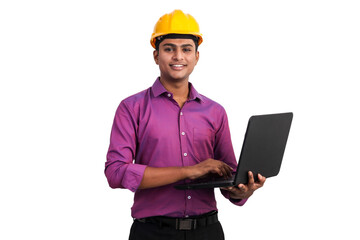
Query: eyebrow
173, 45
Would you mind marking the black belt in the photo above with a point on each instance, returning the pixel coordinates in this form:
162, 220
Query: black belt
183, 223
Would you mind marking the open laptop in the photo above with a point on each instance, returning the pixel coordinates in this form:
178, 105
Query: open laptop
262, 151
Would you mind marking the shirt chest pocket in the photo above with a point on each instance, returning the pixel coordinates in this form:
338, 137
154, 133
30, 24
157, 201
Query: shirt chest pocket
203, 143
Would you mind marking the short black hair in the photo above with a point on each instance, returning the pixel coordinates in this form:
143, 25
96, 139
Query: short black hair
174, 36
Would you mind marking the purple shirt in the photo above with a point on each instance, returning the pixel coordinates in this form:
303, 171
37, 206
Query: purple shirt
150, 129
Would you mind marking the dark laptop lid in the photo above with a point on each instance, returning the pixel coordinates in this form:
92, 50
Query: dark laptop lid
264, 145
262, 151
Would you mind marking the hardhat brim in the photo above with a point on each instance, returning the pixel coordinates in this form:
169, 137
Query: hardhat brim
154, 36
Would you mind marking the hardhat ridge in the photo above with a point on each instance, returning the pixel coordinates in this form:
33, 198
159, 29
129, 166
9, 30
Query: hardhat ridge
176, 22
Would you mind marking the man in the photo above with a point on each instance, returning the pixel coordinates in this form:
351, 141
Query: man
174, 134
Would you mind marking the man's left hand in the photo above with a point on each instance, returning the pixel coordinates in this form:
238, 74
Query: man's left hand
243, 191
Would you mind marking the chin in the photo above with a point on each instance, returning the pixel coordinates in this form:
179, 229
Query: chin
178, 79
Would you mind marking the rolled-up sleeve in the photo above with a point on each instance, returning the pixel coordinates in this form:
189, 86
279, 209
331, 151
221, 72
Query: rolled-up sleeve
239, 202
224, 151
120, 170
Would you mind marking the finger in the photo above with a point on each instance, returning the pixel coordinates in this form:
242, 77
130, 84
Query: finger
222, 169
218, 171
214, 170
251, 178
259, 183
228, 170
262, 179
242, 188
230, 189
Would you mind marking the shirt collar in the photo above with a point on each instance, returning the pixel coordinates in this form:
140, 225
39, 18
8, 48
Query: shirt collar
194, 94
159, 89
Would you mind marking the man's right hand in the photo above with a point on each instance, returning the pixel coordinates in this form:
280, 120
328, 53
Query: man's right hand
209, 166
156, 177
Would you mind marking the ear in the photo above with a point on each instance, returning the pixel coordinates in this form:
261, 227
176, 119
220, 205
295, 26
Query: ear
197, 55
156, 56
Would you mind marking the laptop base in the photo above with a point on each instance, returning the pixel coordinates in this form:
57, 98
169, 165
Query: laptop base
214, 183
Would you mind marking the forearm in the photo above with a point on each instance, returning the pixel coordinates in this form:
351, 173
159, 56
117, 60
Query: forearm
156, 177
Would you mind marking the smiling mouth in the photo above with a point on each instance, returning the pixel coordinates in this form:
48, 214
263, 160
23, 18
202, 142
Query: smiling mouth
177, 66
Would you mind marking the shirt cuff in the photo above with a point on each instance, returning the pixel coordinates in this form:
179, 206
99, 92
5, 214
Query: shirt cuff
133, 176
238, 202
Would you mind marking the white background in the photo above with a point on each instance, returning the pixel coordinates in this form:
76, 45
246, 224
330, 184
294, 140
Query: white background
66, 65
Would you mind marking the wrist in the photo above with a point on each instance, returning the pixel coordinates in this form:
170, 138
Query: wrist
186, 172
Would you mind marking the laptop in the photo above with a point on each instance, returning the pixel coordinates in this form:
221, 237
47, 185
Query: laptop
262, 152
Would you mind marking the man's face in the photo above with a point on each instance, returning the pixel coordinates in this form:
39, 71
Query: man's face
176, 59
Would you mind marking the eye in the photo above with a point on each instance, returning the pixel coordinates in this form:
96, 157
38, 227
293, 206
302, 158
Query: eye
168, 49
186, 49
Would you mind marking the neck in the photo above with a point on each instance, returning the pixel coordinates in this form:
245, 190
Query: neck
178, 89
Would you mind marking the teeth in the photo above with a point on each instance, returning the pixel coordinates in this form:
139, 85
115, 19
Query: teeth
177, 65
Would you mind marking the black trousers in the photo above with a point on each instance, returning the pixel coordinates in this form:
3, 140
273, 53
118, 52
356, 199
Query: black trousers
152, 231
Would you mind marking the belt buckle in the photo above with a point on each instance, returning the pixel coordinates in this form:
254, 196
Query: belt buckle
185, 224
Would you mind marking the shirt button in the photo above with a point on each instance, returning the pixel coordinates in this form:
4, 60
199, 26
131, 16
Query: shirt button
187, 216
183, 133
181, 113
169, 95
189, 197
185, 154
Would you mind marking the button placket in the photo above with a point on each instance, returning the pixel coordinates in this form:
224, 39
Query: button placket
188, 202
182, 134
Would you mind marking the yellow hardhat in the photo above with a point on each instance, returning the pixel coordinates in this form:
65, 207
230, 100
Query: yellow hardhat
176, 22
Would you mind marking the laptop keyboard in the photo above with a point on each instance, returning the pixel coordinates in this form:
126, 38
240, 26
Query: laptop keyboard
214, 179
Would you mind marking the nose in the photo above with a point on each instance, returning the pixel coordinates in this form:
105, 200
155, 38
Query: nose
178, 55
